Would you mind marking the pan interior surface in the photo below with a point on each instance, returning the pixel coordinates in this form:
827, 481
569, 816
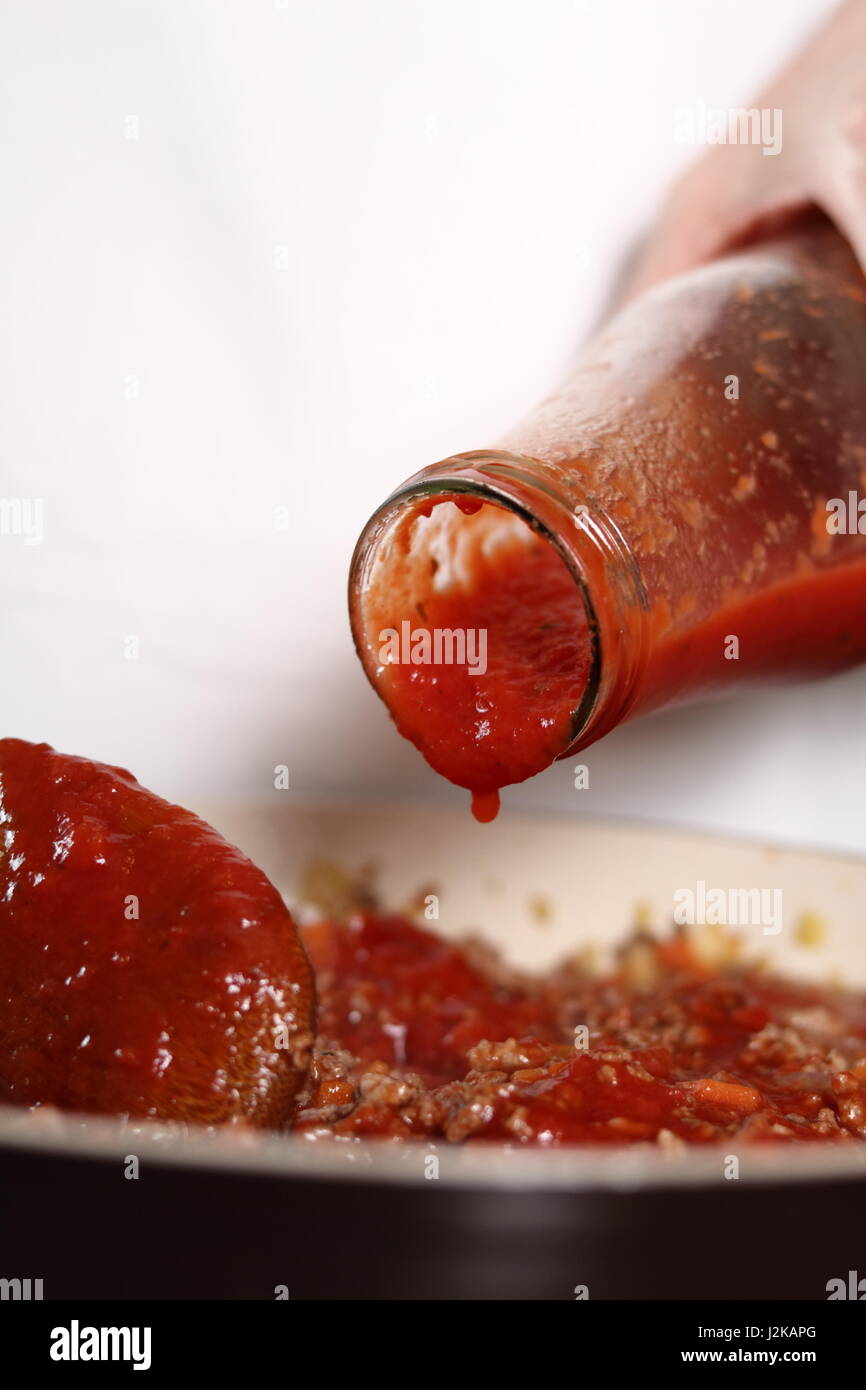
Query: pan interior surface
596, 881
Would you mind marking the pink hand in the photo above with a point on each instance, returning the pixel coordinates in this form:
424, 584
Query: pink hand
737, 190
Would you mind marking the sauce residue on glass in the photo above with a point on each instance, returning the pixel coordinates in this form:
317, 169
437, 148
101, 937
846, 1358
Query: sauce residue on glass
506, 711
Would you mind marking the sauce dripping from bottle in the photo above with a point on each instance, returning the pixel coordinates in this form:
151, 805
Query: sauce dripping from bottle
485, 648
485, 806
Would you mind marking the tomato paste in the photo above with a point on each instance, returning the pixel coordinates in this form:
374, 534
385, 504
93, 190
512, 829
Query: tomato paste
148, 968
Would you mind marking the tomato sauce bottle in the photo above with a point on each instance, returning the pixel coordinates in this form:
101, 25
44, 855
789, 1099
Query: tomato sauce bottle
682, 515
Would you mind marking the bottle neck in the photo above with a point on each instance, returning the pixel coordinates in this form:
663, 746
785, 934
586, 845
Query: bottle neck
605, 573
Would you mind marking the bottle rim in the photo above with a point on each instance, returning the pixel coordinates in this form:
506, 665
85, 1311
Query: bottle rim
590, 543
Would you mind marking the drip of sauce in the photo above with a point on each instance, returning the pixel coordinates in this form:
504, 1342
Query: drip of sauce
485, 806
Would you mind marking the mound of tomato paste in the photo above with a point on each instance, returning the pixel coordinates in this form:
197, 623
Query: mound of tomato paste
147, 968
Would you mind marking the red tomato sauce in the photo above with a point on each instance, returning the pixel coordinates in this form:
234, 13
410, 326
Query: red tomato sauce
143, 959
424, 1039
484, 731
810, 625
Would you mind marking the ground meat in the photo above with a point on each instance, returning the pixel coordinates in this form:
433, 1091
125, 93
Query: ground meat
420, 1038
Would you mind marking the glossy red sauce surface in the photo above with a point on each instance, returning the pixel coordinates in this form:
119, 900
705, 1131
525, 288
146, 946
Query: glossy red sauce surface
147, 967
419, 1038
485, 731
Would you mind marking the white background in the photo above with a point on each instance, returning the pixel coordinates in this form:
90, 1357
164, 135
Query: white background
259, 254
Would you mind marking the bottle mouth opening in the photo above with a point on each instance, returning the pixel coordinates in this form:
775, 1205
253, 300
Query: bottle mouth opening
474, 619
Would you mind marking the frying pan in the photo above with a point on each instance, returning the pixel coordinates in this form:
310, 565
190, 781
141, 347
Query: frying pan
107, 1209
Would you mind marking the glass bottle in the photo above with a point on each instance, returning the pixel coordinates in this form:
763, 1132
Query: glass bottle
698, 484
